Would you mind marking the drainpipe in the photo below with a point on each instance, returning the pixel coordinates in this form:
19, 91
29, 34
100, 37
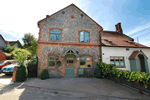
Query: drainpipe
100, 44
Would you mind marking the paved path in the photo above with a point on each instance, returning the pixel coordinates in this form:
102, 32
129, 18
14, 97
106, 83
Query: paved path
69, 89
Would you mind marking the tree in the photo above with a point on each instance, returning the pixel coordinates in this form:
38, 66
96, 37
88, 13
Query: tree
21, 55
30, 42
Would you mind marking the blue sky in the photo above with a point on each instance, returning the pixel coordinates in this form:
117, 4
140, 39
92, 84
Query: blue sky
21, 16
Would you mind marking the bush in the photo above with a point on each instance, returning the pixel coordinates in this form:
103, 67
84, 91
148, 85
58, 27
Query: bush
44, 74
21, 74
8, 49
135, 76
98, 72
106, 69
9, 57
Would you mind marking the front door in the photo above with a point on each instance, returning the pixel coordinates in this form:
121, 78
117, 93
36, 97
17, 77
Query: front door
69, 67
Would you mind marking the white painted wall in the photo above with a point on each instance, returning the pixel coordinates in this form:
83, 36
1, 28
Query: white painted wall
121, 51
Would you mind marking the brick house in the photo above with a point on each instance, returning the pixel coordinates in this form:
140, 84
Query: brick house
70, 42
71, 37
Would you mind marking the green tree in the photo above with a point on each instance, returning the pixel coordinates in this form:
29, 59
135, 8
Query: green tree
21, 55
30, 42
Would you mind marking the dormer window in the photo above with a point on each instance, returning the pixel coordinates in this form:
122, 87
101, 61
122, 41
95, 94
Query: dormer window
84, 36
55, 35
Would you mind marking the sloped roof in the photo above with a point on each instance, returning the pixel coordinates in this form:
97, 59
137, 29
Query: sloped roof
3, 38
136, 53
116, 39
13, 42
66, 8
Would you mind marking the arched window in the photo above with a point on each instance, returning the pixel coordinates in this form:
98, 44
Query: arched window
84, 36
85, 62
51, 61
55, 35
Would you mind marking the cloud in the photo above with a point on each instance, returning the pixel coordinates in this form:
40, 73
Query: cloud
141, 33
137, 29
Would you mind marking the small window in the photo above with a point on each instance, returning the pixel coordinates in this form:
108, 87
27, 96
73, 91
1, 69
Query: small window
84, 36
55, 35
51, 61
118, 61
85, 62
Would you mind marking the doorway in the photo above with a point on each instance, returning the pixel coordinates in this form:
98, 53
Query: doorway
70, 66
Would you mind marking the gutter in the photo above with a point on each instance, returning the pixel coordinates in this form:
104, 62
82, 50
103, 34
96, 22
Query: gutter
100, 45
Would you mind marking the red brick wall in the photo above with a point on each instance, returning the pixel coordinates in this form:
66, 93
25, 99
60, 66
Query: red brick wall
2, 56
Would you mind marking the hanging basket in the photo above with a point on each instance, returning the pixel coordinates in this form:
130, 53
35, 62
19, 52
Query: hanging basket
58, 63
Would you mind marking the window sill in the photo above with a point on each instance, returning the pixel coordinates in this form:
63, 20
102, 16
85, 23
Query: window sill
50, 67
85, 67
121, 67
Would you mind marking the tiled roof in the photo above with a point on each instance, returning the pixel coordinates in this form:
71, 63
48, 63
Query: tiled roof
116, 39
12, 42
136, 53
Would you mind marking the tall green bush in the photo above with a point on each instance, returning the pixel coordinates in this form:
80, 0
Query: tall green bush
44, 74
21, 74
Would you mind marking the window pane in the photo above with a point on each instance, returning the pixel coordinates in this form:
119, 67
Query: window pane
58, 37
51, 63
112, 62
117, 63
51, 58
55, 31
70, 61
121, 63
85, 61
86, 37
82, 63
89, 63
81, 37
52, 37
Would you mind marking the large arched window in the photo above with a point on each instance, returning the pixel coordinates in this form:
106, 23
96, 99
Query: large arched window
85, 62
55, 35
51, 61
84, 36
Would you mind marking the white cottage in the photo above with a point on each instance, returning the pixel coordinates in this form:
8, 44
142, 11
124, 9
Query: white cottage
121, 50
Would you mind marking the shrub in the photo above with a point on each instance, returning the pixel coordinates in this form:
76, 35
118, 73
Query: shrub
9, 57
98, 72
135, 76
44, 74
8, 49
21, 74
106, 69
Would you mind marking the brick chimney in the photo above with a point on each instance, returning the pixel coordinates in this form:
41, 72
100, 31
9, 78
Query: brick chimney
118, 28
47, 16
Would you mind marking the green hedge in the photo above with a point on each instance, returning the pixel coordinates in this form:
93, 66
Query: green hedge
135, 76
44, 74
21, 74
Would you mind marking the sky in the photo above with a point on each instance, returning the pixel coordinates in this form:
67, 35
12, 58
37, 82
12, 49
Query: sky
18, 17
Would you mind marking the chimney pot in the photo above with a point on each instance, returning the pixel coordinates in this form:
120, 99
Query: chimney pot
47, 16
118, 28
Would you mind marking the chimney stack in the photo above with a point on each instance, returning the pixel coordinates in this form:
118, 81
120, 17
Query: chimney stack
47, 16
118, 28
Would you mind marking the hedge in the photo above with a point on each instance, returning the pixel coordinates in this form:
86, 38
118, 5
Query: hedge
136, 76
